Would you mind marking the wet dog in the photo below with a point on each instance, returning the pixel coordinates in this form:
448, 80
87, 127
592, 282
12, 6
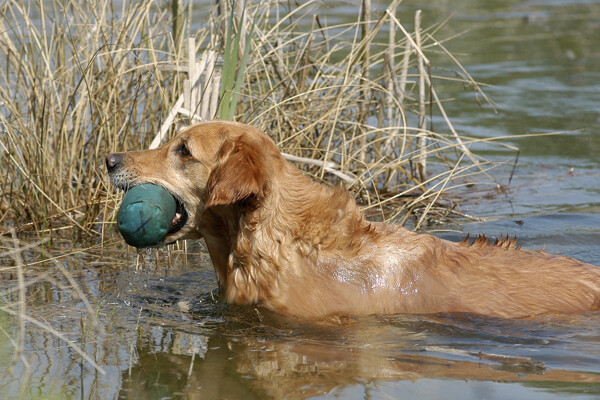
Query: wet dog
301, 248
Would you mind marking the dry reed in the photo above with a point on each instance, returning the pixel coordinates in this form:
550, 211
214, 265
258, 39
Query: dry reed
348, 102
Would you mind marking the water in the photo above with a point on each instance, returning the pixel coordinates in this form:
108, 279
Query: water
543, 61
153, 318
252, 353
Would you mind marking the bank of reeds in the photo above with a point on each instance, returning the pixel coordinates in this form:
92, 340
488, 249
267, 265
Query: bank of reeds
351, 102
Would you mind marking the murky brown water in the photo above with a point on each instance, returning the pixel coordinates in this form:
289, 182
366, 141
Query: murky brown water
162, 333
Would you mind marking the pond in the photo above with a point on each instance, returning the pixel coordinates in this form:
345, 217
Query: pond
161, 332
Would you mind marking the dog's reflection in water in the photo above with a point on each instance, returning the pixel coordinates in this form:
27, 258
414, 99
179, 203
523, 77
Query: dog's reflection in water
302, 361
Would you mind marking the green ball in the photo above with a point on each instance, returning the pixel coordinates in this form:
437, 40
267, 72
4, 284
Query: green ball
145, 215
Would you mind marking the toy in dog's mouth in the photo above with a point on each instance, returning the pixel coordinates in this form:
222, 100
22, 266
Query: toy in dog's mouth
149, 214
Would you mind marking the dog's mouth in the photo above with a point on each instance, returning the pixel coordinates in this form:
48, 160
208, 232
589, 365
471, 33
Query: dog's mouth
180, 218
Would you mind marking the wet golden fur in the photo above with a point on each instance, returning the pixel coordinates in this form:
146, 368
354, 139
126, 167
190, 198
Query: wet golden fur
301, 248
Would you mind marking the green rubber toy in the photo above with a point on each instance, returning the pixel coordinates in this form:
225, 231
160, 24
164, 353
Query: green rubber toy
145, 215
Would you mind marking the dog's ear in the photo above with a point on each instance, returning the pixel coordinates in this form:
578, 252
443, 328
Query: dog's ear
239, 173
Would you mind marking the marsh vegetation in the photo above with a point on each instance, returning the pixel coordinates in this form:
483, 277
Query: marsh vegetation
350, 102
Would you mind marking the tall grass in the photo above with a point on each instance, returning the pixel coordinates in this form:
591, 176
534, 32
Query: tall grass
348, 101
75, 83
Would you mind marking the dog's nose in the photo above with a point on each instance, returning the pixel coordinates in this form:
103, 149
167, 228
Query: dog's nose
113, 161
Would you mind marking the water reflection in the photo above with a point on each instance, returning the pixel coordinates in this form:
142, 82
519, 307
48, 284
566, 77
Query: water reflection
295, 361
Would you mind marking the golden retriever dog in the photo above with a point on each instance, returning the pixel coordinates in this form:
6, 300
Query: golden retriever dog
304, 249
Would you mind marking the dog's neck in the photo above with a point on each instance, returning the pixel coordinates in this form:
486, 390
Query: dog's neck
254, 248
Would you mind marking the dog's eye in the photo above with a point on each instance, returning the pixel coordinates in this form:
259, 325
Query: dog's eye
183, 151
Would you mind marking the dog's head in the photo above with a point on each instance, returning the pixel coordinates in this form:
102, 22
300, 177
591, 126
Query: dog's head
205, 166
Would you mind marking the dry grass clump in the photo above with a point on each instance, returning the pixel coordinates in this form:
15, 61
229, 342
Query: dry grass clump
356, 101
78, 81
352, 101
